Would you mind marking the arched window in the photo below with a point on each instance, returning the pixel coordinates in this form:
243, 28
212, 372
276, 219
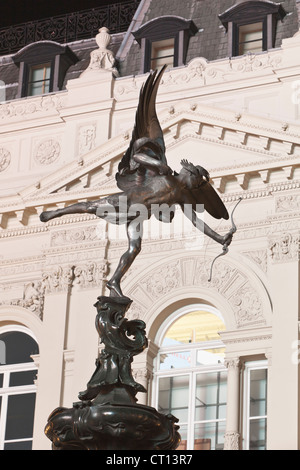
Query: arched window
191, 379
17, 388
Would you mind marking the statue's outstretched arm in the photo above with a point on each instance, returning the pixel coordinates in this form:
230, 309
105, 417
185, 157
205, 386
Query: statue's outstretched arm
152, 163
203, 227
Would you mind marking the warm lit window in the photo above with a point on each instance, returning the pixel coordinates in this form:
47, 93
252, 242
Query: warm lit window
162, 52
255, 405
191, 379
17, 390
251, 38
39, 79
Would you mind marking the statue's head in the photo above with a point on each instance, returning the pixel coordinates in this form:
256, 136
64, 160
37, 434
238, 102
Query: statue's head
193, 176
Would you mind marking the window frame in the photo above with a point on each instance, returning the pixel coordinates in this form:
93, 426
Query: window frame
248, 368
60, 57
250, 12
192, 372
6, 391
162, 28
31, 82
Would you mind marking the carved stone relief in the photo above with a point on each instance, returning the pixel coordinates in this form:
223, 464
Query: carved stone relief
288, 203
44, 104
86, 138
47, 152
78, 235
33, 298
85, 275
90, 274
284, 247
5, 158
230, 282
259, 257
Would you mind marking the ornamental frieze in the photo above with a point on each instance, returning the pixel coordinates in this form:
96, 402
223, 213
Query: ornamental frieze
228, 281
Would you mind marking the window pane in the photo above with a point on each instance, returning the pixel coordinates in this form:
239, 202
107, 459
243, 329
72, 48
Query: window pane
21, 445
194, 327
174, 396
162, 53
22, 378
209, 436
258, 392
211, 396
1, 380
20, 412
210, 356
19, 347
39, 81
250, 38
175, 360
258, 431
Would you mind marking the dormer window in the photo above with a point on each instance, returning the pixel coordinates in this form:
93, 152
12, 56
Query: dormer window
43, 66
251, 26
164, 40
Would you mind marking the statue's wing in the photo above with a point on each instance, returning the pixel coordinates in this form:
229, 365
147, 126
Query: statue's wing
147, 133
206, 195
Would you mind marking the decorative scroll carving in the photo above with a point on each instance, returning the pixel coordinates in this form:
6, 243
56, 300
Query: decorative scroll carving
231, 283
35, 105
33, 298
78, 235
164, 280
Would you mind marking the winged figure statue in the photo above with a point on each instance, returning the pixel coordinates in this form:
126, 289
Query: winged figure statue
146, 181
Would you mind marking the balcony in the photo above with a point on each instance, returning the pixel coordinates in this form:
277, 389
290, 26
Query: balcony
69, 27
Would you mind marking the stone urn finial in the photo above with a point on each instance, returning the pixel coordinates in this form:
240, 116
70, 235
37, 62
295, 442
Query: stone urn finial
103, 38
102, 59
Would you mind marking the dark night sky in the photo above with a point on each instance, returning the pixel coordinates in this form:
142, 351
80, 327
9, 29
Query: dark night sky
19, 11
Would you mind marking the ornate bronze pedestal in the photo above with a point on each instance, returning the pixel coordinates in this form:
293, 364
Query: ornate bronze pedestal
108, 417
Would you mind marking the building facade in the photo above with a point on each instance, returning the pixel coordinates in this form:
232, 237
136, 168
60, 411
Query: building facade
223, 353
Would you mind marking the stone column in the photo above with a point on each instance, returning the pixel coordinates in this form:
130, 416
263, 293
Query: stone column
232, 435
57, 283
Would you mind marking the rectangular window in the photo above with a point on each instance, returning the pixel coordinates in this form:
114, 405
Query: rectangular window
39, 79
255, 406
162, 52
17, 405
251, 38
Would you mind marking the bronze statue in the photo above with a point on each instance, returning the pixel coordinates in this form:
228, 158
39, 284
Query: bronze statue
146, 181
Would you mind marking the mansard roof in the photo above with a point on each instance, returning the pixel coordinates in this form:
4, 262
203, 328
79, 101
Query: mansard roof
209, 38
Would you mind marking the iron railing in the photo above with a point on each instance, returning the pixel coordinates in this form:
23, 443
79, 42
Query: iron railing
70, 27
